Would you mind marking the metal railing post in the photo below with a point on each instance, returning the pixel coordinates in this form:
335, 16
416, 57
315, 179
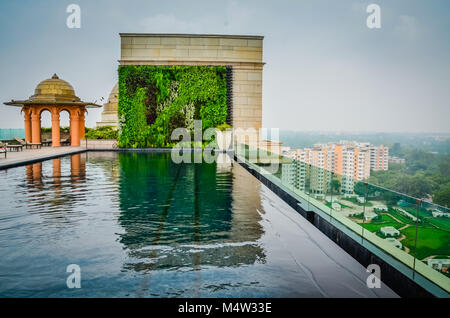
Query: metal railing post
364, 211
415, 241
331, 197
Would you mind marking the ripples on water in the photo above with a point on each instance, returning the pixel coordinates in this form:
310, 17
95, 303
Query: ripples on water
123, 218
140, 226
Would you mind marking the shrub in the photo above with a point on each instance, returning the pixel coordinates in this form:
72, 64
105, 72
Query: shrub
104, 132
61, 129
223, 127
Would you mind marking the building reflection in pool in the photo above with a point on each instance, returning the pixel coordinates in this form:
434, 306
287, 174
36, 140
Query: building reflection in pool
174, 216
187, 215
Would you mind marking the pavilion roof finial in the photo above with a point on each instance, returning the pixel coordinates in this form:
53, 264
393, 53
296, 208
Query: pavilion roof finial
55, 76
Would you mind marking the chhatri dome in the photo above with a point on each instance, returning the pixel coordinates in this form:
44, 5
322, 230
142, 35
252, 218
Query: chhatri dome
54, 95
54, 89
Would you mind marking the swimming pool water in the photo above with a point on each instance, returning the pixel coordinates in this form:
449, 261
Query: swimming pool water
139, 225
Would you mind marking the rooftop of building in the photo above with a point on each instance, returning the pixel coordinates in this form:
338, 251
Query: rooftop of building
190, 35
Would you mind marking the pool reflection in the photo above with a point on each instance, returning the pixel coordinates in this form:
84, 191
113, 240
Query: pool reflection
187, 215
173, 215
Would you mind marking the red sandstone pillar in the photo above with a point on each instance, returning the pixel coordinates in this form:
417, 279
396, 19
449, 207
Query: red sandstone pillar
81, 123
35, 127
56, 138
27, 115
75, 130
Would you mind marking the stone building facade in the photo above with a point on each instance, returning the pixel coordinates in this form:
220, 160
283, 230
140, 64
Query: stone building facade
242, 53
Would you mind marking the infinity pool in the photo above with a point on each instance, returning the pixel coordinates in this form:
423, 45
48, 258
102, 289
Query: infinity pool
139, 225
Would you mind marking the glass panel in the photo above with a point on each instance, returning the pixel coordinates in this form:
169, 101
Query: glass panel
387, 216
392, 221
307, 185
292, 175
433, 242
317, 188
344, 202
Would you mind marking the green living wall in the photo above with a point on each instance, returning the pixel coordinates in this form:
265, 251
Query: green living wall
154, 100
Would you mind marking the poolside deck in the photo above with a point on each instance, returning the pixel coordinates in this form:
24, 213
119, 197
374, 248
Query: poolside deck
30, 155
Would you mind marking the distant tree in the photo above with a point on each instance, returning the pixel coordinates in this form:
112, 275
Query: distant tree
359, 189
442, 196
335, 185
420, 186
402, 184
396, 150
391, 198
444, 168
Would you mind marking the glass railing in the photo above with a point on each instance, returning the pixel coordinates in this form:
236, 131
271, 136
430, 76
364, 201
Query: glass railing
412, 231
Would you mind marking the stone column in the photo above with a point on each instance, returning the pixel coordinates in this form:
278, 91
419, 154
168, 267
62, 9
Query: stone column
27, 115
56, 138
247, 96
75, 130
82, 131
35, 127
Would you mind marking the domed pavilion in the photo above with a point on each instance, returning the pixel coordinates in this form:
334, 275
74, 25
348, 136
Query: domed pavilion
54, 95
109, 114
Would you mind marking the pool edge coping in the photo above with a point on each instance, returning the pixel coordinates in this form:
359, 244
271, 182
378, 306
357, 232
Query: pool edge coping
23, 162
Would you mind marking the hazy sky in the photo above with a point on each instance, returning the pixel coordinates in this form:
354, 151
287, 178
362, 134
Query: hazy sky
325, 69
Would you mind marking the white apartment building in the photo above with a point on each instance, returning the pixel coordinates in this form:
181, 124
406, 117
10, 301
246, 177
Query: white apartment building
294, 174
379, 155
349, 160
397, 160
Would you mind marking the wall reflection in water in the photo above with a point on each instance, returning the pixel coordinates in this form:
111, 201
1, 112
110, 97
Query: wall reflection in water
187, 215
173, 216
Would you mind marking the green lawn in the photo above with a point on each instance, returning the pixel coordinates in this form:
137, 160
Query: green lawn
413, 210
430, 241
374, 227
401, 217
443, 223
386, 220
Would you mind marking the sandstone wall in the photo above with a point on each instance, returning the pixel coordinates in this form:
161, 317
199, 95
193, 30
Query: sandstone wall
243, 53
